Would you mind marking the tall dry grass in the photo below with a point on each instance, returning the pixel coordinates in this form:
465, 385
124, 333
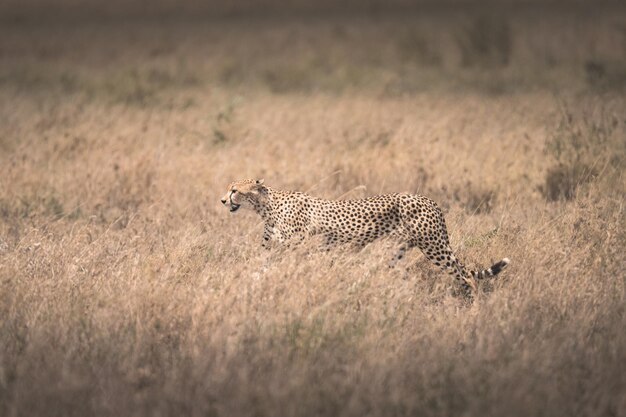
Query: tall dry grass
126, 289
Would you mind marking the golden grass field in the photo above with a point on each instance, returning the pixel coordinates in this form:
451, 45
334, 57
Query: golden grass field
127, 289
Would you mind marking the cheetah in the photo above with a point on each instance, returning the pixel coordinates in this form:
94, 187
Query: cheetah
411, 220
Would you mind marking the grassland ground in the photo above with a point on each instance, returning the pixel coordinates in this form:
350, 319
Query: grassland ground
127, 289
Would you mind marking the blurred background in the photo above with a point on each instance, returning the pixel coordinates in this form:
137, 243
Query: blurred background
126, 288
394, 47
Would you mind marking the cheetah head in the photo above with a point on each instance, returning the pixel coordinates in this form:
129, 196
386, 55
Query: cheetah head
244, 193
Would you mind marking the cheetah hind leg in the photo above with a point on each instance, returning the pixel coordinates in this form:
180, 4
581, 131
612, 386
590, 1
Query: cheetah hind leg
447, 261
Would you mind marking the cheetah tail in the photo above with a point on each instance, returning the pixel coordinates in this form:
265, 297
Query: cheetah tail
494, 270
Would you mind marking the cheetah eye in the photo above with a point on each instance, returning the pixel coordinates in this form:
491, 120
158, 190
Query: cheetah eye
234, 191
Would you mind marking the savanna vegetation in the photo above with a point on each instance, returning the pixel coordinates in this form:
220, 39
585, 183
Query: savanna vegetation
127, 289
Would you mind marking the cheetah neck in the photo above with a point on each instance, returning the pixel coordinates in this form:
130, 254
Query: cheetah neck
264, 205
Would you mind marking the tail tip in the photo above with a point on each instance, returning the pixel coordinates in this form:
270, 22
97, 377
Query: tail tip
498, 267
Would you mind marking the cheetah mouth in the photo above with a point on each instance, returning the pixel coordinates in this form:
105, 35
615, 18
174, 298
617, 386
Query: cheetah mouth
234, 207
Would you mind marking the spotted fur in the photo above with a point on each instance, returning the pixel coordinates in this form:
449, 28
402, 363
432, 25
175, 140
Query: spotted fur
411, 220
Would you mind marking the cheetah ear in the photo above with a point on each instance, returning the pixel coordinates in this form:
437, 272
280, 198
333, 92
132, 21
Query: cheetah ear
259, 186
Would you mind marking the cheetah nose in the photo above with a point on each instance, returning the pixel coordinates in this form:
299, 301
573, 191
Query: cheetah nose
223, 201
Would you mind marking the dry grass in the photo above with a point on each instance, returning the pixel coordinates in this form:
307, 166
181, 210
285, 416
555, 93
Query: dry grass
125, 289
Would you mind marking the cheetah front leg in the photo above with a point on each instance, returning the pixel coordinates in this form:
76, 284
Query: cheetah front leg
267, 243
267, 237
